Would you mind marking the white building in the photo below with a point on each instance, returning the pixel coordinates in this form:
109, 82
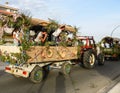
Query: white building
5, 9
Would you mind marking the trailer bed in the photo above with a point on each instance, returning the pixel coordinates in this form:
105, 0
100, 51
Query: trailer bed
42, 54
52, 53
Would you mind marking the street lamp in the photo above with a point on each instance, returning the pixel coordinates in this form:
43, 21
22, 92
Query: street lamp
114, 30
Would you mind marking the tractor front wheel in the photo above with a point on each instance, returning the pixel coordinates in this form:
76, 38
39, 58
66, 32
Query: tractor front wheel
101, 59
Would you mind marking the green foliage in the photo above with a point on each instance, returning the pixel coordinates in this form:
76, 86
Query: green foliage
1, 22
21, 57
8, 58
25, 41
79, 50
52, 26
2, 58
25, 45
18, 22
74, 34
10, 21
22, 22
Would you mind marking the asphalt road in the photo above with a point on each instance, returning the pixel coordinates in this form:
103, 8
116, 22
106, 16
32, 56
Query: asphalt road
80, 80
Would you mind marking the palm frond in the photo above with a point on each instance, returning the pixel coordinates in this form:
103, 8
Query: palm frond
53, 25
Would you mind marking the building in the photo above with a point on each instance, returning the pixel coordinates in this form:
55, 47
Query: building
5, 9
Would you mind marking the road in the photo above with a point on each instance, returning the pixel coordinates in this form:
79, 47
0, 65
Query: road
80, 80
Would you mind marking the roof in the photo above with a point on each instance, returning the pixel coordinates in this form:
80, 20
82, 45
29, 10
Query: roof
36, 21
110, 39
5, 12
70, 28
116, 39
84, 37
8, 7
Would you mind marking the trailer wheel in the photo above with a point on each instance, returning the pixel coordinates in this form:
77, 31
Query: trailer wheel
101, 59
89, 59
66, 68
36, 75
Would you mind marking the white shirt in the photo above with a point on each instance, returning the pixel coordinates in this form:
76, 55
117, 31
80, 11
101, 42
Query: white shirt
37, 39
57, 32
16, 34
70, 36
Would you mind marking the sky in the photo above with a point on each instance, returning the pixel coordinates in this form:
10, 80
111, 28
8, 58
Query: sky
96, 18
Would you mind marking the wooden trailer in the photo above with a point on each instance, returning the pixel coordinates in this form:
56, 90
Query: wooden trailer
42, 58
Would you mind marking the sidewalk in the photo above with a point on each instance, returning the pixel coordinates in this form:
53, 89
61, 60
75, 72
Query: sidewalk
115, 89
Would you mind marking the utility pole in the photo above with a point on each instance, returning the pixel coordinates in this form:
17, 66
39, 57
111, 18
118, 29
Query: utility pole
114, 30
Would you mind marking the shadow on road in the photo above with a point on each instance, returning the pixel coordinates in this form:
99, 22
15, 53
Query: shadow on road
111, 69
60, 84
83, 80
19, 85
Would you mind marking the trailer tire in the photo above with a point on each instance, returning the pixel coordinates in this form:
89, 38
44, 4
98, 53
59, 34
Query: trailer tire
36, 75
89, 59
101, 59
66, 68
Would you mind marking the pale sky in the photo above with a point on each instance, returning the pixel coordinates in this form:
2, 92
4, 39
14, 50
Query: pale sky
94, 17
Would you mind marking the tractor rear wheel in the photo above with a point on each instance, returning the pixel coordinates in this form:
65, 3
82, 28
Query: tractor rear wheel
89, 59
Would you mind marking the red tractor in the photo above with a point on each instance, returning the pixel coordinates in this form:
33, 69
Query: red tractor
88, 52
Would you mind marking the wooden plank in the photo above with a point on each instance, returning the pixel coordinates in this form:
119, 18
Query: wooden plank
52, 53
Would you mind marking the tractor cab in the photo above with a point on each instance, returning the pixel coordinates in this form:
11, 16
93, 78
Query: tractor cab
86, 42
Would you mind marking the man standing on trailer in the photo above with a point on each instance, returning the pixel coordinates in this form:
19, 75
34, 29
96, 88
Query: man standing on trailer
57, 33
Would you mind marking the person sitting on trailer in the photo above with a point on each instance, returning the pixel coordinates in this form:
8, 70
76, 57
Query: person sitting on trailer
41, 37
69, 39
16, 38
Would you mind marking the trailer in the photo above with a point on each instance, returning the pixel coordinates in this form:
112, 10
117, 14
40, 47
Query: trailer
60, 55
42, 60
110, 47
